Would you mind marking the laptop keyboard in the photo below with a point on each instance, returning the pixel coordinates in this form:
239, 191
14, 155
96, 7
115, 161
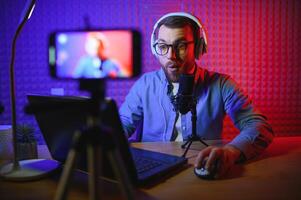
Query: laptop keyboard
144, 164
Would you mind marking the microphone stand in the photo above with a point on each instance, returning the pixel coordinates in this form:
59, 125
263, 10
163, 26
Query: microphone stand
27, 169
193, 137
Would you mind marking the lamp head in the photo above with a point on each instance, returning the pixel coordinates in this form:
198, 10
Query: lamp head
27, 10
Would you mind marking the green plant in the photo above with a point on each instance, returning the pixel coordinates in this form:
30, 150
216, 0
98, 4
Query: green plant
25, 133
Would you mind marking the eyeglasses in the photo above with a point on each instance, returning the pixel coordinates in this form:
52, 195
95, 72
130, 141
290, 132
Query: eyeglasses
179, 47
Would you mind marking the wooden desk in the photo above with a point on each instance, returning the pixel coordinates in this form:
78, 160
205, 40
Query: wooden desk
274, 175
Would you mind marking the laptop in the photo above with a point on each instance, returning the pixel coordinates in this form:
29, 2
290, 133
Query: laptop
58, 118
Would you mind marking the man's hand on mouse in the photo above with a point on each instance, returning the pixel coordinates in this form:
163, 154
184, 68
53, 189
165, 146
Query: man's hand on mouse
226, 157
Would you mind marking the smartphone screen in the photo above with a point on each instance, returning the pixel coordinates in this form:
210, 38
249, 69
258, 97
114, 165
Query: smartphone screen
94, 54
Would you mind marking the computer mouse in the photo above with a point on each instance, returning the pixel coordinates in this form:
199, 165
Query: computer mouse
208, 174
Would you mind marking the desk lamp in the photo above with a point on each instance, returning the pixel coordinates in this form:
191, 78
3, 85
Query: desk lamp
32, 169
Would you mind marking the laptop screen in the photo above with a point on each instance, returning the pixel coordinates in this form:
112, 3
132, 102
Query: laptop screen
59, 117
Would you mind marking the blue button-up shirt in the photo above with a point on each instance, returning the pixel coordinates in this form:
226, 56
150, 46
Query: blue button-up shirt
148, 111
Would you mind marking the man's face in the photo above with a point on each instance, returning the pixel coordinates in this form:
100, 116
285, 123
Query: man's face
181, 62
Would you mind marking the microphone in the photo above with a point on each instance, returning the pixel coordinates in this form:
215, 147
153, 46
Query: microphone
184, 98
184, 102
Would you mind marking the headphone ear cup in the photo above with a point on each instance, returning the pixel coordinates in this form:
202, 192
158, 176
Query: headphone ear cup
203, 46
200, 48
197, 49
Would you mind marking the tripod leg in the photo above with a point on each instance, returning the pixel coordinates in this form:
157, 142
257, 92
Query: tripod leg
184, 145
187, 148
66, 175
120, 172
204, 143
93, 168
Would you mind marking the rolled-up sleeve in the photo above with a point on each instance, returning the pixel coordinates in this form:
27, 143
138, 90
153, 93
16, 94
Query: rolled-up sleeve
255, 132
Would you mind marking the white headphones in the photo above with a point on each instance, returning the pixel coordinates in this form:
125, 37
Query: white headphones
200, 45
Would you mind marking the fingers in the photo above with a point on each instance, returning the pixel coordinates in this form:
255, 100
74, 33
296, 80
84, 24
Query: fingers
210, 155
201, 156
216, 154
223, 165
221, 156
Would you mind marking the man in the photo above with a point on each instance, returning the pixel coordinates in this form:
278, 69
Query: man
148, 108
97, 64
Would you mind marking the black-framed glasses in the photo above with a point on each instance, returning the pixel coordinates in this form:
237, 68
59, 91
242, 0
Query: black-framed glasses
179, 47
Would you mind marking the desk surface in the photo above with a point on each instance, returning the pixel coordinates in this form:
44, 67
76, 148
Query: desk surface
274, 175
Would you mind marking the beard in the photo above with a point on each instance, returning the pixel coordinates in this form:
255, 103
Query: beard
174, 68
172, 71
171, 76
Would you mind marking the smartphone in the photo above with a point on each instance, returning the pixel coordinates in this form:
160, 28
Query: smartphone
95, 54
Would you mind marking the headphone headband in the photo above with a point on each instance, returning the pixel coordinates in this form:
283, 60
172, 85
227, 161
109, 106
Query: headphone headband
202, 48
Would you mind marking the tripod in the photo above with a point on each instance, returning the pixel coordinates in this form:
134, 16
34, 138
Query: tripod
96, 137
193, 137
